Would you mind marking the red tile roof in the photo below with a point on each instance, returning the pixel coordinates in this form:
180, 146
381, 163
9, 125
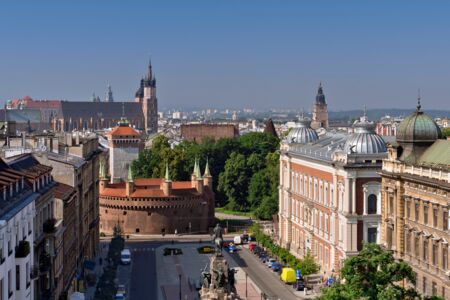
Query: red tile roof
124, 131
150, 187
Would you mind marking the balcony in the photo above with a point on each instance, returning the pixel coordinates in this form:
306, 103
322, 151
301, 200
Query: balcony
23, 249
49, 226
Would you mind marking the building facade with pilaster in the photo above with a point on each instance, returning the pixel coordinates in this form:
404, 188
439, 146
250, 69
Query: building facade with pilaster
330, 190
416, 199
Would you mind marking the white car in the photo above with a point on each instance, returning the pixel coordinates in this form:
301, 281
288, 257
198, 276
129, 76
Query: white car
125, 256
119, 297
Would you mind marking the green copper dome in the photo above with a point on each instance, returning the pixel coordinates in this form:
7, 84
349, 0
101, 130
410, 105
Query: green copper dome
418, 127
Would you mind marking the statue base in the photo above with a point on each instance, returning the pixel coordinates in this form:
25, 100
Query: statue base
219, 288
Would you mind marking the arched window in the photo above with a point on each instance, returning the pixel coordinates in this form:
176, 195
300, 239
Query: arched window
372, 204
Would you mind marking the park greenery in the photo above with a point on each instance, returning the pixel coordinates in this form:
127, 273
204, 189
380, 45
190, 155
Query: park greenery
244, 169
374, 274
306, 265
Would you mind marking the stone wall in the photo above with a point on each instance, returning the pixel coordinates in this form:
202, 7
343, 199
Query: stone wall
198, 132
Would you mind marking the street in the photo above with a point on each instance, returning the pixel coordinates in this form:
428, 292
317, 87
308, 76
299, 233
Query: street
143, 282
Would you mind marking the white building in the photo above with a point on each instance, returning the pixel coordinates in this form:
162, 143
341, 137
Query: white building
17, 201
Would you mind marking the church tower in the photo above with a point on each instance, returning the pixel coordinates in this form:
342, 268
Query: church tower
146, 95
109, 94
320, 110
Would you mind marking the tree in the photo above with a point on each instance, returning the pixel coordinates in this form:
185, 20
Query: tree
446, 132
373, 274
233, 182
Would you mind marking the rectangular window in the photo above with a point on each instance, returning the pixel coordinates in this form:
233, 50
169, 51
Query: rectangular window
425, 250
372, 235
10, 289
424, 285
27, 274
425, 215
435, 217
416, 212
1, 289
435, 254
444, 220
434, 288
17, 277
391, 205
408, 209
445, 257
407, 242
416, 246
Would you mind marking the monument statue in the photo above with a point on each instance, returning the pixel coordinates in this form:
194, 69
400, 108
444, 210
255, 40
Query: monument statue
218, 239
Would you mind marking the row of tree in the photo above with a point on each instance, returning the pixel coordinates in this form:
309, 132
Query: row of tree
244, 168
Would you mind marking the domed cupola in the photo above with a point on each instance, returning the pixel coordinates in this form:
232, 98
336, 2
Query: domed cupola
415, 134
418, 128
364, 140
302, 134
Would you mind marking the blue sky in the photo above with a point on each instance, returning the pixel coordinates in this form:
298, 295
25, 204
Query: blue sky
259, 54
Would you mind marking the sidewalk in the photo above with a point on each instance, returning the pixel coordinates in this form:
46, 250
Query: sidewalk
245, 287
103, 253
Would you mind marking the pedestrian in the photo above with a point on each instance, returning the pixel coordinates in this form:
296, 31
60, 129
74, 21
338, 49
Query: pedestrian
176, 232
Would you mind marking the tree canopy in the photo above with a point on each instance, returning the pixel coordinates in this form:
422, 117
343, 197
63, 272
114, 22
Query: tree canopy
374, 274
244, 168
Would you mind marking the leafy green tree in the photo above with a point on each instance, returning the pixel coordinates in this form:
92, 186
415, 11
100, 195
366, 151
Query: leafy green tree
373, 274
233, 182
446, 132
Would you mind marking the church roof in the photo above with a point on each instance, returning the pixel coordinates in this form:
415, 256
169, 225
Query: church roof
107, 110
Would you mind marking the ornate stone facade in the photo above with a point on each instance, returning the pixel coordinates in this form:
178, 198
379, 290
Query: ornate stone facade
415, 205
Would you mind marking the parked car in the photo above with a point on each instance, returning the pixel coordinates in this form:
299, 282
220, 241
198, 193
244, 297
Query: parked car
125, 256
121, 289
244, 238
270, 261
299, 285
276, 266
119, 297
288, 275
237, 240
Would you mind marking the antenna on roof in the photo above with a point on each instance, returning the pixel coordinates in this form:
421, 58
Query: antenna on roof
123, 109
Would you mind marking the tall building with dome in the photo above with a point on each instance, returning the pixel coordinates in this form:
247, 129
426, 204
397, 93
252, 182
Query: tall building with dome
320, 110
330, 192
415, 202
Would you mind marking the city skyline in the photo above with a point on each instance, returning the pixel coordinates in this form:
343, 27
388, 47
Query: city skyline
229, 54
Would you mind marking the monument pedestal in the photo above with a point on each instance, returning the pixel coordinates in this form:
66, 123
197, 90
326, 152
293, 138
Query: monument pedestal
221, 286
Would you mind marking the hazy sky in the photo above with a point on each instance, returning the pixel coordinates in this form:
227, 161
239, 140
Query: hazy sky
259, 54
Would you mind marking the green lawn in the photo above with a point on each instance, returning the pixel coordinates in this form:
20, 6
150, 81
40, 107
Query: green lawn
232, 212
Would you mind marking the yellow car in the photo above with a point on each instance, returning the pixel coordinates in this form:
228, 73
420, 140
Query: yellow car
288, 275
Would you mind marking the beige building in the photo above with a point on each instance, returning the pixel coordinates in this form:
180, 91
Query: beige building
415, 202
329, 195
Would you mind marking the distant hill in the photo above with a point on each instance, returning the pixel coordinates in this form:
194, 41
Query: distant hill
376, 114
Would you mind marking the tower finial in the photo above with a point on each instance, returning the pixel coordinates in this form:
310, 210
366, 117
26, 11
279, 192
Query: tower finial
207, 173
365, 110
123, 109
130, 174
419, 106
167, 176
